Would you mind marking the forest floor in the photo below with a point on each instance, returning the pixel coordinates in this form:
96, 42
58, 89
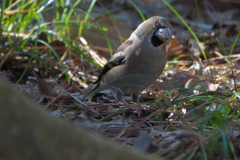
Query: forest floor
191, 112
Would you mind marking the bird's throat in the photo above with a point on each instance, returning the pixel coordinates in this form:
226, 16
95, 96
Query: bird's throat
156, 41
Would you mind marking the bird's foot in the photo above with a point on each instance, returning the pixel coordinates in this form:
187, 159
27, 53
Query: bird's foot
135, 108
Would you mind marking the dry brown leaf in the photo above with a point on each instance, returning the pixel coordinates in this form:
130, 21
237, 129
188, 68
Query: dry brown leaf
44, 87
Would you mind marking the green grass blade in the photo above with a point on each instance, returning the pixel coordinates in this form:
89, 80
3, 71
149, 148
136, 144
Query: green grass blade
138, 10
234, 44
87, 16
187, 26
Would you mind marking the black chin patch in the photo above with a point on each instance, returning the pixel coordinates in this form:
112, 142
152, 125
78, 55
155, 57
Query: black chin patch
156, 41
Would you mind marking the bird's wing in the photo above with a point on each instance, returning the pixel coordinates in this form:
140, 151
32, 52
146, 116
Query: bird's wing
117, 59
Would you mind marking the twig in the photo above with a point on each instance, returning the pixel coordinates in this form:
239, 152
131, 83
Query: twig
5, 58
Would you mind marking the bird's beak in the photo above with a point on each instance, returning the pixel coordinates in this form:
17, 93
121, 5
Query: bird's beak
164, 34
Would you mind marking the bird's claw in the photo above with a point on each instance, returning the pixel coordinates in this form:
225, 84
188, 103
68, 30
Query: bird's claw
137, 110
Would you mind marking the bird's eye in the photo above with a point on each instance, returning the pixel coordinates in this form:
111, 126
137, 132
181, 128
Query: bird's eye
156, 22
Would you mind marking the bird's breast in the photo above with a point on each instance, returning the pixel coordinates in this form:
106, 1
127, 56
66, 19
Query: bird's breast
147, 60
141, 68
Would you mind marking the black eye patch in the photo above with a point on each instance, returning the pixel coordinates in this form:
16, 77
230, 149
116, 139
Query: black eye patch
162, 26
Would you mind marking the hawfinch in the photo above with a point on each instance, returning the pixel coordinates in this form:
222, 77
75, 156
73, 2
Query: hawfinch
138, 62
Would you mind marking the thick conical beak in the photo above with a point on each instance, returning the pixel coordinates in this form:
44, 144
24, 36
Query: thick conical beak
164, 34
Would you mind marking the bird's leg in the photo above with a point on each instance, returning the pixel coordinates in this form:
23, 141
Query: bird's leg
137, 109
135, 98
119, 96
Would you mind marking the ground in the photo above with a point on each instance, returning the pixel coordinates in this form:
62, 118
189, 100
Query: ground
191, 111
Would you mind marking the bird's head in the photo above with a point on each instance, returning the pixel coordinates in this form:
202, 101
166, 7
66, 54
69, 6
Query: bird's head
157, 28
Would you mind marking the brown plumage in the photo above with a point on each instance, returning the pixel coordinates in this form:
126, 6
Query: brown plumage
138, 62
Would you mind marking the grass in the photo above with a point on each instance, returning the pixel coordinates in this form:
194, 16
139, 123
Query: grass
29, 20
187, 26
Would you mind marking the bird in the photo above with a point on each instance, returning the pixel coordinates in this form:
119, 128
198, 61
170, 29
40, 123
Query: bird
138, 61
